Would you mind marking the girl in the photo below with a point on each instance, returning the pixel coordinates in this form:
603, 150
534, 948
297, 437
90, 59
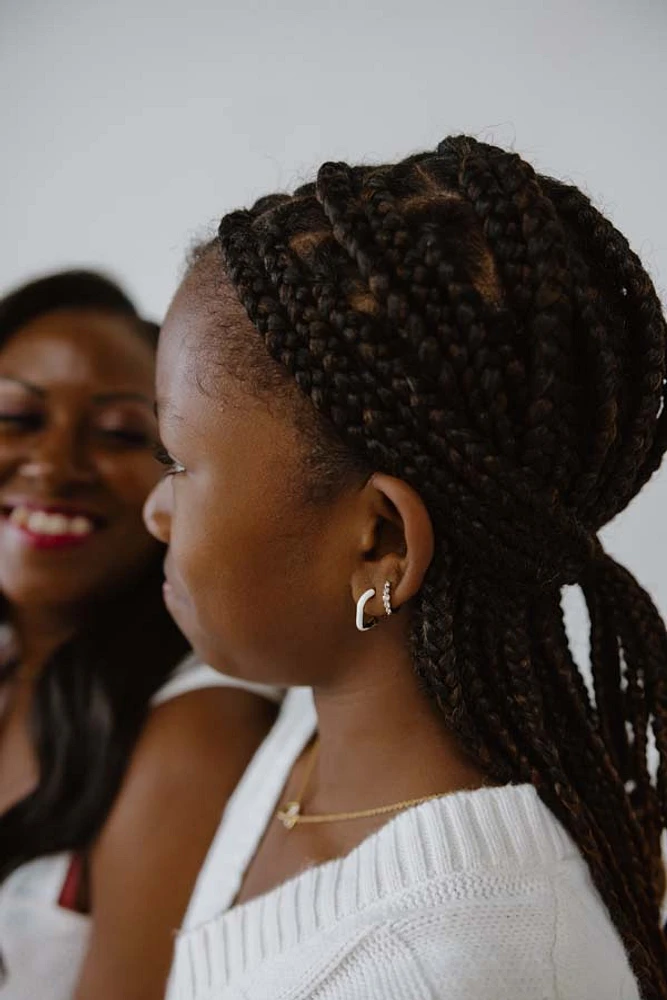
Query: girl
113, 772
398, 406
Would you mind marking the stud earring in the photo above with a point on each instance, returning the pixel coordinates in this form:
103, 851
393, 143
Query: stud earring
386, 598
361, 604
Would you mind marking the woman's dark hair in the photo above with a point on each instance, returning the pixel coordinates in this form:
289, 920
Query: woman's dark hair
483, 333
93, 695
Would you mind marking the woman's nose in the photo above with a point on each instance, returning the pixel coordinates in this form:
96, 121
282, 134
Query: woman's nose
59, 459
157, 511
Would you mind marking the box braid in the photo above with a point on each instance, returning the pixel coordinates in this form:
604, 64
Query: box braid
485, 334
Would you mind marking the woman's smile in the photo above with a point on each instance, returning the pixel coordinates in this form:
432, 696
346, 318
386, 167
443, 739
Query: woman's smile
50, 525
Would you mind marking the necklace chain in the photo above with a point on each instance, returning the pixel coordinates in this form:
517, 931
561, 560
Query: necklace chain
290, 814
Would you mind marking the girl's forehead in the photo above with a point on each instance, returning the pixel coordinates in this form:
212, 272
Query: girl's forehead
207, 334
191, 372
182, 331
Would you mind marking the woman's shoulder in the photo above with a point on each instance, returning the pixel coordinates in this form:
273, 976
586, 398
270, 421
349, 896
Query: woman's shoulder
193, 748
192, 675
200, 729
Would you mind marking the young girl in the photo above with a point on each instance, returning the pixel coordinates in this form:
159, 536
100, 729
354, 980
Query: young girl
113, 768
398, 406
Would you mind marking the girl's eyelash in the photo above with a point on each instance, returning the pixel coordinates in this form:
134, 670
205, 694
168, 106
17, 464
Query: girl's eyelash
164, 458
162, 455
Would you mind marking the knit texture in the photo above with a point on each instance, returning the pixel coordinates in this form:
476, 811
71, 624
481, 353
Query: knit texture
473, 895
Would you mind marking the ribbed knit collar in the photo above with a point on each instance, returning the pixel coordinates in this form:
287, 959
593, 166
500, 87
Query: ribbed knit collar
492, 828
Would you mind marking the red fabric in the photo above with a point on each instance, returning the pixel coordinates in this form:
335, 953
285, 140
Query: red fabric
70, 891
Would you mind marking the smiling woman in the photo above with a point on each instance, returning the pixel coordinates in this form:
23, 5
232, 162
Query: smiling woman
113, 772
76, 434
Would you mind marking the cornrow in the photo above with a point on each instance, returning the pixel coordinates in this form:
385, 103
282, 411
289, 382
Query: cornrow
484, 333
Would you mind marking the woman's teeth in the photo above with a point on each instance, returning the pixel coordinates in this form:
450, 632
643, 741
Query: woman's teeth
40, 522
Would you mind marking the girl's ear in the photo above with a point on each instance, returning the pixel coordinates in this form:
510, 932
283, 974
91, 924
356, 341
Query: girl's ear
396, 543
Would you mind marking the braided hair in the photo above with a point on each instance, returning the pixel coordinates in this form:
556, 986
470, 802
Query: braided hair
483, 333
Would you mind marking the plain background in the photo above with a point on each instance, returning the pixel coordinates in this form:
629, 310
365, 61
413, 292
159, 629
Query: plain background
129, 127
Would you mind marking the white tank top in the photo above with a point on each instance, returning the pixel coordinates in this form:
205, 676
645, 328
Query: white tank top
43, 945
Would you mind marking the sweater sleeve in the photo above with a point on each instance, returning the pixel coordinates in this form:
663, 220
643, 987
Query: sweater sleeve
536, 941
583, 931
491, 949
552, 941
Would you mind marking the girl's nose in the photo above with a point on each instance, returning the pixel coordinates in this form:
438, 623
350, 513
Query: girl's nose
157, 511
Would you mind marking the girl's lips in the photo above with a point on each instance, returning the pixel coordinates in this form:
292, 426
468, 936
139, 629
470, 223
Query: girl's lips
171, 595
168, 592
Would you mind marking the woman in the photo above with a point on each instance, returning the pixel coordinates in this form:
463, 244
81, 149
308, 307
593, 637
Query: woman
398, 406
113, 768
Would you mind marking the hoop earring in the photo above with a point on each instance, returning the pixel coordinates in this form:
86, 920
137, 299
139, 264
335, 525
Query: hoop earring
386, 598
361, 604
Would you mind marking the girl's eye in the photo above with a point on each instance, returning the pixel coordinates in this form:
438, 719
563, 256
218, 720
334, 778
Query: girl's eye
20, 421
172, 467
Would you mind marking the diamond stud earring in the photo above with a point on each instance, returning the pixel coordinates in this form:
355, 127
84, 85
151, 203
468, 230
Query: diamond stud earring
386, 598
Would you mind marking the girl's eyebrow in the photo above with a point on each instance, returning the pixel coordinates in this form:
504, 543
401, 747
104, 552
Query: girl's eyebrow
164, 411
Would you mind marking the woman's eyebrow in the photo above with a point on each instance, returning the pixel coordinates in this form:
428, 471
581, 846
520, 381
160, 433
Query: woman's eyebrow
34, 389
99, 397
118, 397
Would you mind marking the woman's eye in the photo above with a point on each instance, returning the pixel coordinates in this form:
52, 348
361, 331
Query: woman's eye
20, 421
126, 438
172, 467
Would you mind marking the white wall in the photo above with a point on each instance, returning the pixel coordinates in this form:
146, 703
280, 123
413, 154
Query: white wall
128, 126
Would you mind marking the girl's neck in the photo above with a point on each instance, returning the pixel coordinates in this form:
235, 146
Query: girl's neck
381, 743
382, 740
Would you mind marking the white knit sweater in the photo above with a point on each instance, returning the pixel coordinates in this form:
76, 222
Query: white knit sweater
475, 895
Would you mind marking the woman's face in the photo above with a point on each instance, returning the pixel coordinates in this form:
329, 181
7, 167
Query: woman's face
77, 434
258, 577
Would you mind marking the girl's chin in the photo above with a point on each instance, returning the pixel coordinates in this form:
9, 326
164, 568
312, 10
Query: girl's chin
173, 597
181, 610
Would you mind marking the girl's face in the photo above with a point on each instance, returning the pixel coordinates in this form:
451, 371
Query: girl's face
77, 435
257, 576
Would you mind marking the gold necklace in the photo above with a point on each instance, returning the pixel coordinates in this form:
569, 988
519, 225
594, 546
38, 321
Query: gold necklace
290, 815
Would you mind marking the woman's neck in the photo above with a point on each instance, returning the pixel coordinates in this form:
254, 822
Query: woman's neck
39, 631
